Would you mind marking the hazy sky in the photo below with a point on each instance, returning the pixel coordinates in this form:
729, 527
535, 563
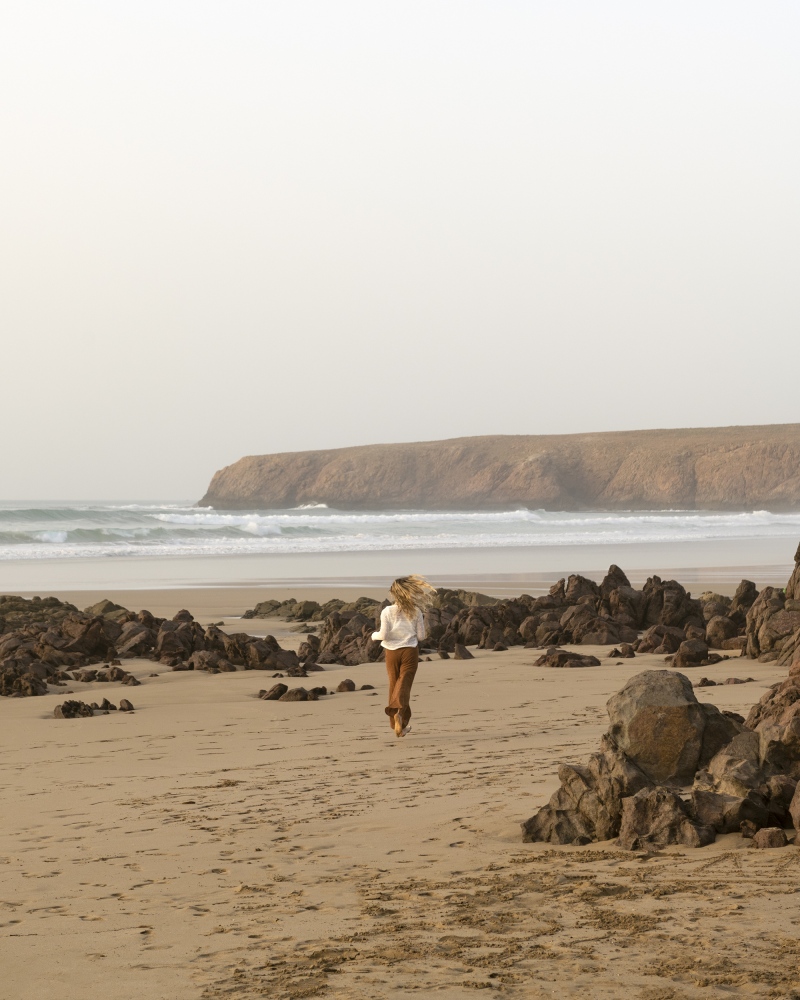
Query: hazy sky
239, 227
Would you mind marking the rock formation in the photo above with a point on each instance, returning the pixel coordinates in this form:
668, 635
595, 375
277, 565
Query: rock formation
50, 642
722, 468
673, 771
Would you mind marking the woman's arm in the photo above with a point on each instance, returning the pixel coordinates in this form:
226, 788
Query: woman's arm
421, 633
381, 633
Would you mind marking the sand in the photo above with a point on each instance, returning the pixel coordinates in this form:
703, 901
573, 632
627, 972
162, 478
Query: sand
213, 845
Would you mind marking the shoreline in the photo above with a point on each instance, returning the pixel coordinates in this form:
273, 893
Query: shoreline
698, 565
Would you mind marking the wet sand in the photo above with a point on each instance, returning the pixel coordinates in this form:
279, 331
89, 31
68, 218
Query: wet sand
211, 845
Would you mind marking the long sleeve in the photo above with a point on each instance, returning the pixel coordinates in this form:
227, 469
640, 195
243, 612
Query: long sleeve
421, 633
381, 633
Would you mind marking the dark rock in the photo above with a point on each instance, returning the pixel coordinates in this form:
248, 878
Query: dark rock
367, 687
346, 685
460, 652
657, 817
565, 658
739, 642
743, 599
769, 837
625, 652
726, 813
443, 654
580, 586
125, 705
275, 693
661, 639
769, 624
691, 653
668, 603
613, 580
719, 630
73, 710
310, 648
704, 682
499, 648
657, 721
794, 809
588, 805
780, 705
780, 793
793, 586
104, 607
714, 605
296, 694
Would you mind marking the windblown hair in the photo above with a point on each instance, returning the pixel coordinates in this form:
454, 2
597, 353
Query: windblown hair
412, 594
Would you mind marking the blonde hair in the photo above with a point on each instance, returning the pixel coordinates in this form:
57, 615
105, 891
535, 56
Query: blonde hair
411, 594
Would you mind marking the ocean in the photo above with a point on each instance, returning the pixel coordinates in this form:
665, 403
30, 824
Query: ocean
32, 531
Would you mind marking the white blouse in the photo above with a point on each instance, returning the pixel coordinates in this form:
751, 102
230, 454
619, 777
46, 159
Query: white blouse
397, 630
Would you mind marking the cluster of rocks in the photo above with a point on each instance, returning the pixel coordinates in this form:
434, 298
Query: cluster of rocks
47, 641
662, 617
674, 771
80, 710
282, 692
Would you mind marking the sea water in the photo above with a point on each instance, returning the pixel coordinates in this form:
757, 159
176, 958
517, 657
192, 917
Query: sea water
32, 531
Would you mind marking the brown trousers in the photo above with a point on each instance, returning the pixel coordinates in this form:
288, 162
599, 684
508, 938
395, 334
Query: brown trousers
401, 666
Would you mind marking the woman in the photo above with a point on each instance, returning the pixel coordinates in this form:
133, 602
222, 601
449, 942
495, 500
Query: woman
402, 626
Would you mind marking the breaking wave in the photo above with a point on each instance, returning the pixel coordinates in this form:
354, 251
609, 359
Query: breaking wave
84, 530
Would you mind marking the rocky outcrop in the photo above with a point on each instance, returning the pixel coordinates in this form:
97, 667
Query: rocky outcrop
723, 468
577, 611
47, 642
588, 804
659, 738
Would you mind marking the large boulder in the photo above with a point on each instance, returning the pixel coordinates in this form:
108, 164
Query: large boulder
588, 805
719, 629
658, 723
668, 603
578, 587
691, 653
714, 604
626, 606
657, 817
743, 599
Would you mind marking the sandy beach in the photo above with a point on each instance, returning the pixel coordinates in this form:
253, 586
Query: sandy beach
214, 845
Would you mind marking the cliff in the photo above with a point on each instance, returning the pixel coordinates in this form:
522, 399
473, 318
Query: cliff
718, 468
